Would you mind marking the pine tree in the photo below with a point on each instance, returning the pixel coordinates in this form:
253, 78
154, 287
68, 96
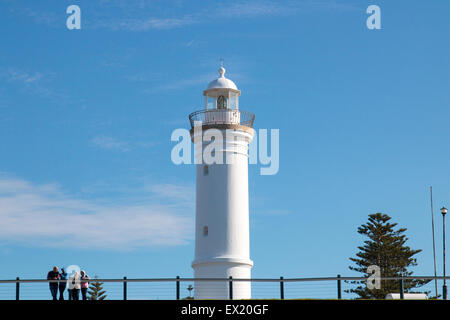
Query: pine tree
96, 291
386, 249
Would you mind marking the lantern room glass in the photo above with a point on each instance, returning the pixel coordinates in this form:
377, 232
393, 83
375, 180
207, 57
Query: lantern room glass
222, 100
233, 100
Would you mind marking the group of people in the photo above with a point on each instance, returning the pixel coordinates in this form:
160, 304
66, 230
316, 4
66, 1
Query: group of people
76, 283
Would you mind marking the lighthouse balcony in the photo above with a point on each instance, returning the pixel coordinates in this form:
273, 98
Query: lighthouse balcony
222, 116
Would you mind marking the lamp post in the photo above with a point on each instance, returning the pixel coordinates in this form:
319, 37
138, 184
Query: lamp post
444, 287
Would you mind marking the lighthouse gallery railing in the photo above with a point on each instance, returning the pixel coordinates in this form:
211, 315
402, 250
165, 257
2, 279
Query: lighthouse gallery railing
222, 116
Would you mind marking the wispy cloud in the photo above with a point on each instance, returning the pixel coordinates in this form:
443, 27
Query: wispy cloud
136, 78
254, 9
221, 12
32, 82
145, 15
33, 13
166, 23
110, 143
155, 23
25, 77
179, 84
44, 215
174, 192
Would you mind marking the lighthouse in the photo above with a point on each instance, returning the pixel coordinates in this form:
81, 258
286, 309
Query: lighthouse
221, 133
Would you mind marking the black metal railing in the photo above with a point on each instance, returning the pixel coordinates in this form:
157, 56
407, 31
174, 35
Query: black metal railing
222, 116
171, 288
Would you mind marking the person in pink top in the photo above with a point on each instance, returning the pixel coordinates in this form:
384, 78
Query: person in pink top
84, 284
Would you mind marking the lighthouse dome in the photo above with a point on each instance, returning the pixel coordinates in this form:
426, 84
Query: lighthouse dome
221, 82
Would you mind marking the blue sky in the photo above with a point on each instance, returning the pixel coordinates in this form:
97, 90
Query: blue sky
86, 118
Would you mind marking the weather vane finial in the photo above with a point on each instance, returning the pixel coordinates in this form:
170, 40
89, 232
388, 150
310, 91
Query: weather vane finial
221, 69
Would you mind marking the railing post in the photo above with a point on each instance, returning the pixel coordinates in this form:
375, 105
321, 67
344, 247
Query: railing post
124, 288
281, 288
17, 288
339, 290
402, 289
178, 287
231, 288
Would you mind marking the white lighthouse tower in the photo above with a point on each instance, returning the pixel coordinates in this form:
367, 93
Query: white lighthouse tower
222, 244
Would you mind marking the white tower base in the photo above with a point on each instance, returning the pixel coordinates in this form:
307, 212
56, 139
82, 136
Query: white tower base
218, 268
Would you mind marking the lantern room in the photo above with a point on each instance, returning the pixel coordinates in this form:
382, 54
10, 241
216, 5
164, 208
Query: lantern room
221, 93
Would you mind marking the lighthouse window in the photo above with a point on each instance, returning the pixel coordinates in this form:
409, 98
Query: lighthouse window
205, 231
233, 101
221, 102
205, 170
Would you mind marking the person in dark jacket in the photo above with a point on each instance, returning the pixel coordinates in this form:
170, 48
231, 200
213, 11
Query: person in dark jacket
62, 284
53, 275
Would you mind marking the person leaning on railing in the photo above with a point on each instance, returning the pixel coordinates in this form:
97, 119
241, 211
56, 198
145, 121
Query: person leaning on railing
62, 284
53, 275
74, 285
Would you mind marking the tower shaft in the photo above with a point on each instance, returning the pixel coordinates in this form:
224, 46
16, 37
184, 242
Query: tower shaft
222, 215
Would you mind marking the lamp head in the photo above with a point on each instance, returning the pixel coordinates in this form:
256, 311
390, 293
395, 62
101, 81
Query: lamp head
444, 211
